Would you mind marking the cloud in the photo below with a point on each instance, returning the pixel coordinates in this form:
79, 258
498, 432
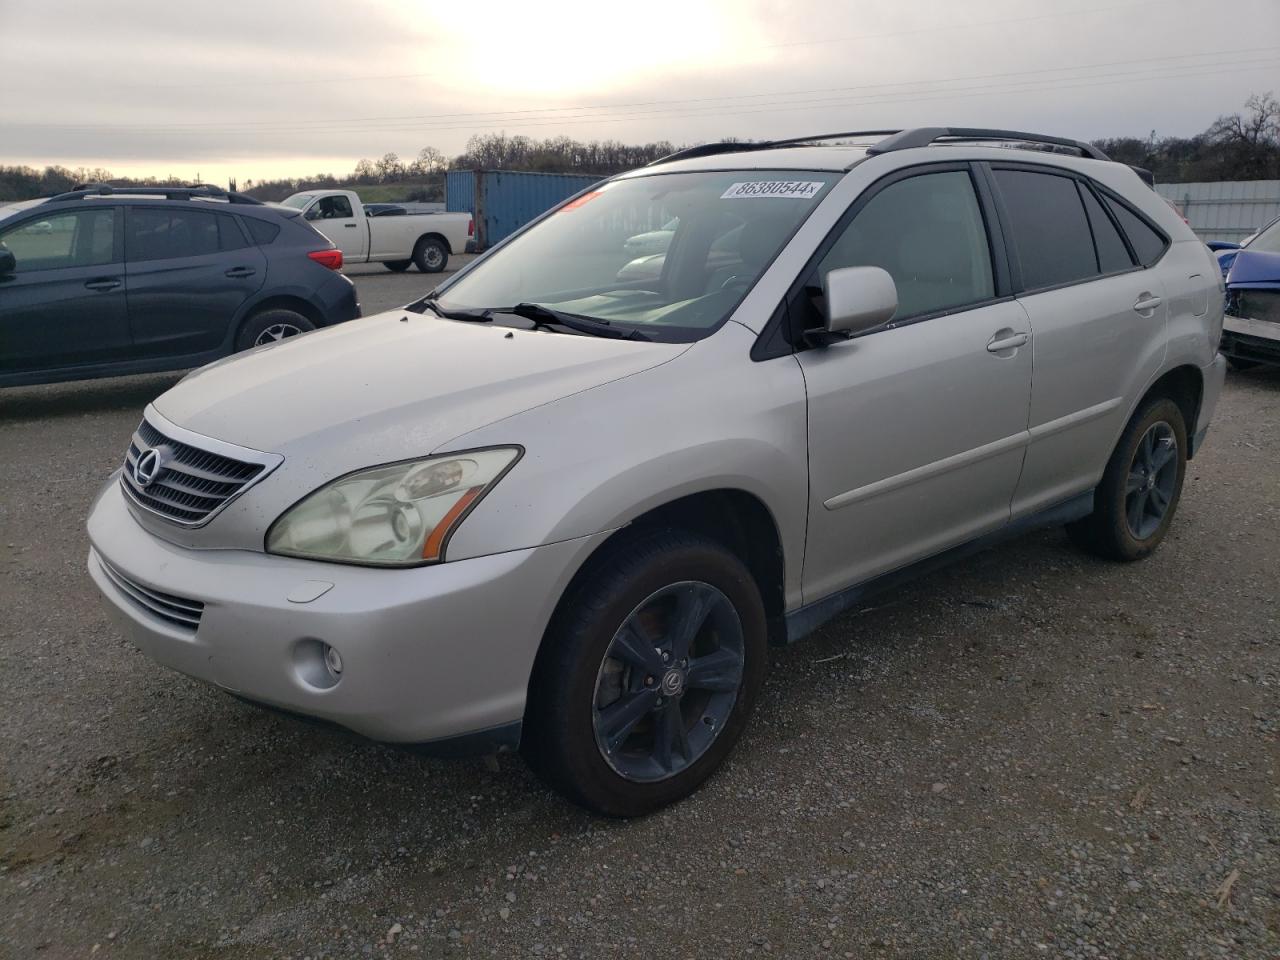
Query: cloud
292, 86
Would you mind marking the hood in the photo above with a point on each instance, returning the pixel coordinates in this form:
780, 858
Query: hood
1254, 266
393, 386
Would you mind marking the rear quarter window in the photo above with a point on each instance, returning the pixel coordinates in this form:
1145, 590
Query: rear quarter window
1148, 244
1051, 234
262, 231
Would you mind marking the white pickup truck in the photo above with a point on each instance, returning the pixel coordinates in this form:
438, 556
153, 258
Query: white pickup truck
425, 239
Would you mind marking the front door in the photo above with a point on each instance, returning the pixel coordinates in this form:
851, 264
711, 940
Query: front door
336, 219
64, 304
190, 270
916, 432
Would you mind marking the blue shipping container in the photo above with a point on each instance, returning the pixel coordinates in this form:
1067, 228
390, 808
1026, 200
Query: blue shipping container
503, 201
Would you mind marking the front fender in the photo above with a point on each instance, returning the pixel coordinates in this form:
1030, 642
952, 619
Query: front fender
710, 419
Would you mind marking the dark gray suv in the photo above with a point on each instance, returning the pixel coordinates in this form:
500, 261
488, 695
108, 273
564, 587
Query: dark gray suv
103, 281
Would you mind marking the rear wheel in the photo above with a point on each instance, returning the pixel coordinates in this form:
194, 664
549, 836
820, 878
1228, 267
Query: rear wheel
649, 675
1134, 504
271, 326
397, 266
431, 255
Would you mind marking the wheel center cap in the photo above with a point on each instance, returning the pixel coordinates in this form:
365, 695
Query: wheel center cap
673, 683
1151, 482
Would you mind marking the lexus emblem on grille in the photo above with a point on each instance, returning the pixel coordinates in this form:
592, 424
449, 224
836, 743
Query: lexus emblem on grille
148, 466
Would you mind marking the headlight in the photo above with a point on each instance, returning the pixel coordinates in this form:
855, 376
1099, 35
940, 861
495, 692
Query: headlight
398, 515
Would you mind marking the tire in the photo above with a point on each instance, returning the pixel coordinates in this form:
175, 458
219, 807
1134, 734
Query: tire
1136, 501
1241, 365
271, 326
397, 266
431, 255
646, 583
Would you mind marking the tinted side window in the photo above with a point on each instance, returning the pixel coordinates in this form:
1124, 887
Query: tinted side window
230, 236
928, 233
1112, 253
1147, 244
84, 238
261, 231
1050, 232
163, 233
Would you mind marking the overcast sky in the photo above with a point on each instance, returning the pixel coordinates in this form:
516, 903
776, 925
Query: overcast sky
291, 87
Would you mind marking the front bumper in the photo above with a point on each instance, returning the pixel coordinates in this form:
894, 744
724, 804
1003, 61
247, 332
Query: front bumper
429, 653
1248, 339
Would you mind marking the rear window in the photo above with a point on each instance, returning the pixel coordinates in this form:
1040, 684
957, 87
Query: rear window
168, 233
1146, 242
262, 231
1113, 256
1050, 231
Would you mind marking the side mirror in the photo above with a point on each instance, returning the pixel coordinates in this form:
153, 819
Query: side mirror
312, 214
8, 262
858, 300
1216, 245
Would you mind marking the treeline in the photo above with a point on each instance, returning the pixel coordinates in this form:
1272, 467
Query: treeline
423, 177
1238, 146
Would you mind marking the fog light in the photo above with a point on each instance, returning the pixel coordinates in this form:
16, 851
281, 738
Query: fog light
333, 662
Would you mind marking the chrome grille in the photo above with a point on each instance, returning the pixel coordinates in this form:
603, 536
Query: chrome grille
189, 484
178, 611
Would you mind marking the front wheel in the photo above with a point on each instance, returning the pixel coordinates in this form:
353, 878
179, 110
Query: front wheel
430, 255
648, 675
1134, 504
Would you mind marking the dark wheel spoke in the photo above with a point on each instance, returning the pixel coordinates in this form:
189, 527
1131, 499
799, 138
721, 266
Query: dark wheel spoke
1135, 482
670, 738
1159, 501
1137, 510
630, 646
691, 613
1148, 445
618, 719
1164, 454
720, 671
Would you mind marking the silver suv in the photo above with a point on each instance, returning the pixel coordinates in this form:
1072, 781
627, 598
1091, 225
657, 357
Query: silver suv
565, 501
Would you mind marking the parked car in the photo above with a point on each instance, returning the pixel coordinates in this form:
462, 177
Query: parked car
100, 281
653, 241
547, 508
397, 242
1251, 328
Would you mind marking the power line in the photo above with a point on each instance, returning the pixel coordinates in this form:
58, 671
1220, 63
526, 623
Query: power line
517, 117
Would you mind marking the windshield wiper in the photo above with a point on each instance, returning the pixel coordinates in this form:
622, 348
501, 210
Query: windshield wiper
545, 316
467, 316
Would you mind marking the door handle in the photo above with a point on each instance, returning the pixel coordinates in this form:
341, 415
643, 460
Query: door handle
999, 344
103, 283
236, 272
1147, 302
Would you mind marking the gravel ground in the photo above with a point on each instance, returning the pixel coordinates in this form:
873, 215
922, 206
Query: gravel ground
1031, 754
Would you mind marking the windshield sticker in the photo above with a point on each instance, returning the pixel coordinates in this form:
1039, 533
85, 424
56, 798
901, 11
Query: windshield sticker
581, 201
786, 189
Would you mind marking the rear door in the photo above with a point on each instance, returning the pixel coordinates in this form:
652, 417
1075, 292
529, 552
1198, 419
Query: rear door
189, 269
916, 432
64, 305
1099, 319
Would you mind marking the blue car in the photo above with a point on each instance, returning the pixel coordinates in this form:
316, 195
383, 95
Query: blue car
1251, 327
104, 281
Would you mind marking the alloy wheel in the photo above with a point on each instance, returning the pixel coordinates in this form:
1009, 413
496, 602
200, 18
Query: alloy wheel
668, 681
276, 332
1153, 474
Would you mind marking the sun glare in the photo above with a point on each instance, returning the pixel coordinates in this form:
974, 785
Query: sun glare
572, 48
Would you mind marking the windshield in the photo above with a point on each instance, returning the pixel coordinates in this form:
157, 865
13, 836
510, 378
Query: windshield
298, 200
1268, 240
726, 228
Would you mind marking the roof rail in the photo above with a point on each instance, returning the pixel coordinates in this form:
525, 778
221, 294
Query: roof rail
924, 136
732, 146
206, 191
